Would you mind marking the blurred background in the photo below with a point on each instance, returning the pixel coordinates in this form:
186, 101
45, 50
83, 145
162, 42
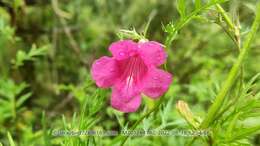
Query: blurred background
47, 48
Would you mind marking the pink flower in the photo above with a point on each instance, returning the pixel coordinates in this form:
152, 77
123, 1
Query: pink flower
131, 71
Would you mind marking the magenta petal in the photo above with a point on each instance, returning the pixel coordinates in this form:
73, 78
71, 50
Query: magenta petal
156, 83
119, 102
126, 89
123, 49
132, 71
152, 53
104, 71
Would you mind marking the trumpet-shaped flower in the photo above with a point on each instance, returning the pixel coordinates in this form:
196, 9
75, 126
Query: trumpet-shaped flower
131, 71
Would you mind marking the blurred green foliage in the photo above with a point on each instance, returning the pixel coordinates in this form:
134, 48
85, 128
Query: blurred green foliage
47, 48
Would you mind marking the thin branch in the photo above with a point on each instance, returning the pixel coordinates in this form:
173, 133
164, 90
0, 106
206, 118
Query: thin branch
233, 72
183, 21
62, 15
225, 16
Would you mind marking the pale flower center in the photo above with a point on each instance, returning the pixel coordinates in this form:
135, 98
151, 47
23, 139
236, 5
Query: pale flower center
132, 70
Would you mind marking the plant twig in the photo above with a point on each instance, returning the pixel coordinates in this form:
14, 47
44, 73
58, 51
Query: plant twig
185, 20
225, 16
231, 76
61, 15
233, 72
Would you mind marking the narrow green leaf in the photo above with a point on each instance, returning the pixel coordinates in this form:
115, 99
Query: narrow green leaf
74, 119
10, 139
246, 132
254, 79
22, 99
197, 4
64, 122
46, 136
232, 125
38, 51
151, 16
181, 7
22, 56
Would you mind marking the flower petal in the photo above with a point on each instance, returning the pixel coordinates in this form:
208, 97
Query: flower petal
152, 53
127, 89
104, 71
123, 49
118, 101
156, 82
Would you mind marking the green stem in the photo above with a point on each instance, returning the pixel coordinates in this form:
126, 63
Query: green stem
13, 100
225, 16
245, 133
233, 72
232, 27
185, 20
